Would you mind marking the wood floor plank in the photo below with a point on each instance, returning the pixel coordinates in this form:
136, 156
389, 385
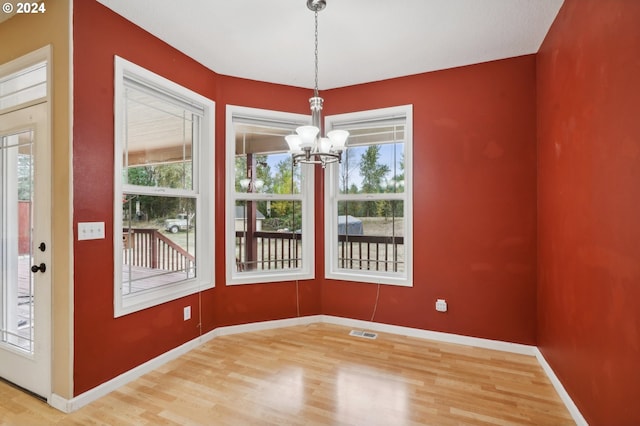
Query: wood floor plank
319, 375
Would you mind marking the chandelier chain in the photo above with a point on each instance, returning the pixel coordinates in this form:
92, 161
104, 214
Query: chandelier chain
315, 91
309, 146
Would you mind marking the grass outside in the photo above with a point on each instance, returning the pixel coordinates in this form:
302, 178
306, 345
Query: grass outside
380, 226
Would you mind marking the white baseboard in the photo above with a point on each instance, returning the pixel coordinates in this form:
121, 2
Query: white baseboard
266, 325
59, 403
564, 396
432, 335
73, 404
69, 405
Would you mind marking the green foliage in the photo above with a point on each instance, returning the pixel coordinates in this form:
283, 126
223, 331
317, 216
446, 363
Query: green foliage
374, 180
383, 208
285, 182
292, 222
174, 175
25, 177
285, 179
349, 165
372, 172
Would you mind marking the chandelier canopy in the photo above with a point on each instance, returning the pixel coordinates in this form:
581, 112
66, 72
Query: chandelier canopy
308, 146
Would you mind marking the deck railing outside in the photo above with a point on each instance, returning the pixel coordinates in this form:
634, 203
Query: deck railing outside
149, 248
273, 250
371, 252
282, 250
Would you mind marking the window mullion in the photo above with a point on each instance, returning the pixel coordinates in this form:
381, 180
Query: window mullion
371, 197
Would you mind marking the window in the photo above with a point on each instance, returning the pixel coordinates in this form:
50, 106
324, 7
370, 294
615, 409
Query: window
163, 219
269, 201
368, 199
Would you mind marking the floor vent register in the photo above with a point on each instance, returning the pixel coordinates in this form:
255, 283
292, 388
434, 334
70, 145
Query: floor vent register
364, 334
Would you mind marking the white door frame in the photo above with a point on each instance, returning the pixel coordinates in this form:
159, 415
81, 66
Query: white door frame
32, 371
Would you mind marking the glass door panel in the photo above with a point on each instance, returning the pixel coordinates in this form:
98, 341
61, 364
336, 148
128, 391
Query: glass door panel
16, 167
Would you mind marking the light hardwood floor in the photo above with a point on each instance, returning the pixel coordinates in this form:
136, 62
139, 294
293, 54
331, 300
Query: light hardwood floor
318, 375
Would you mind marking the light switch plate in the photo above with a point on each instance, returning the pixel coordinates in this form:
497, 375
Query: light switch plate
90, 231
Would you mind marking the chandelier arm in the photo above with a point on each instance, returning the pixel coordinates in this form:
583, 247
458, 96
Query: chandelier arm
317, 158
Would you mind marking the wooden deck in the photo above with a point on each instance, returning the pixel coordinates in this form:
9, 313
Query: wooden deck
146, 278
319, 375
24, 309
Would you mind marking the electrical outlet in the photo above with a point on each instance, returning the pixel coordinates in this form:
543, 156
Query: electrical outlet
441, 305
90, 231
187, 313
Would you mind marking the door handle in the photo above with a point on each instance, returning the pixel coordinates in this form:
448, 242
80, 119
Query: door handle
42, 247
42, 267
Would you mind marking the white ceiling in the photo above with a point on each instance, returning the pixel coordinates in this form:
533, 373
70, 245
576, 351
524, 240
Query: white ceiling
359, 40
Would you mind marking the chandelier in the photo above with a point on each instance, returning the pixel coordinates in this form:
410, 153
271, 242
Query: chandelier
308, 146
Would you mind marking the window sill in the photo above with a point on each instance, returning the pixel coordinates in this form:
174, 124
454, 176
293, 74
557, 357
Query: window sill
372, 278
261, 277
137, 302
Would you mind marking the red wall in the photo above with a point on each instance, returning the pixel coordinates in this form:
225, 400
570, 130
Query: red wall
474, 206
106, 347
589, 206
474, 202
103, 346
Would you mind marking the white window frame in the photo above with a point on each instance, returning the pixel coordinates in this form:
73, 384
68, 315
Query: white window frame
203, 192
332, 196
306, 196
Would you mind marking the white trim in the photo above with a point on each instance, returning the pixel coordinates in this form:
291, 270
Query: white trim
332, 197
25, 61
73, 404
307, 271
203, 192
267, 325
71, 253
562, 393
458, 339
69, 405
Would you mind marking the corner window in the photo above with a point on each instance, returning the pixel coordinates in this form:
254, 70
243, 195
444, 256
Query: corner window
368, 199
269, 232
163, 224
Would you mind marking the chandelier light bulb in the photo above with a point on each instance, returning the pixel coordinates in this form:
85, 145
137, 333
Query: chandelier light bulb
338, 139
294, 143
324, 145
307, 136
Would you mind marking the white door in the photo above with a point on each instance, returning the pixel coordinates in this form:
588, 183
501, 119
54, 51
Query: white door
25, 249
